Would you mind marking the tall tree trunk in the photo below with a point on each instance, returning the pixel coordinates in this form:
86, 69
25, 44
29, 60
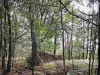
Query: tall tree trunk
99, 41
14, 39
71, 40
14, 46
5, 45
90, 48
87, 41
10, 40
83, 42
93, 49
1, 38
63, 48
34, 44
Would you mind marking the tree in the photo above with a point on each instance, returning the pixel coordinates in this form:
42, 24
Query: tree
5, 44
34, 44
10, 36
99, 41
1, 38
63, 43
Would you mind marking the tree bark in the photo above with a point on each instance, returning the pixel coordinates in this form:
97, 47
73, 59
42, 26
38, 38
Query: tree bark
55, 40
99, 41
1, 38
10, 38
5, 45
34, 44
65, 73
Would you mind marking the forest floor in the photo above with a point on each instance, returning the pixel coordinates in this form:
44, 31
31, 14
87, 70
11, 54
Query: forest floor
77, 67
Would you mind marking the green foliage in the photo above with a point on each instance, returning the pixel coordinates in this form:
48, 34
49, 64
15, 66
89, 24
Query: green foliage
77, 43
68, 17
47, 66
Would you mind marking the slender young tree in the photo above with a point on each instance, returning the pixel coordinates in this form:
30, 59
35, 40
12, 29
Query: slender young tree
87, 48
71, 40
63, 48
83, 40
90, 52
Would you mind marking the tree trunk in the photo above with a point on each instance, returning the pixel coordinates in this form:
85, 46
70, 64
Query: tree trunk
34, 44
10, 38
5, 45
99, 41
65, 73
1, 38
71, 40
55, 40
87, 41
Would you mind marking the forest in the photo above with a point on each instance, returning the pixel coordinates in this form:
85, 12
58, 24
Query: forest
49, 37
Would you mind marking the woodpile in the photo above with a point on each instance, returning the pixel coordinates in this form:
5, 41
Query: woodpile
41, 58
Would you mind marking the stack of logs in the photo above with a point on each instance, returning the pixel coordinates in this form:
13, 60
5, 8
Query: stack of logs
41, 58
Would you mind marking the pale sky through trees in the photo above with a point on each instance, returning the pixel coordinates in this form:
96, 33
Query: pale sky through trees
84, 6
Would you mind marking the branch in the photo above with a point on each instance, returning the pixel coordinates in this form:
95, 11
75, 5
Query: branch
86, 14
21, 35
77, 15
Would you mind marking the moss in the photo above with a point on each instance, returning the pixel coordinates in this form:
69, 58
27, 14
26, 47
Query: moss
47, 66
